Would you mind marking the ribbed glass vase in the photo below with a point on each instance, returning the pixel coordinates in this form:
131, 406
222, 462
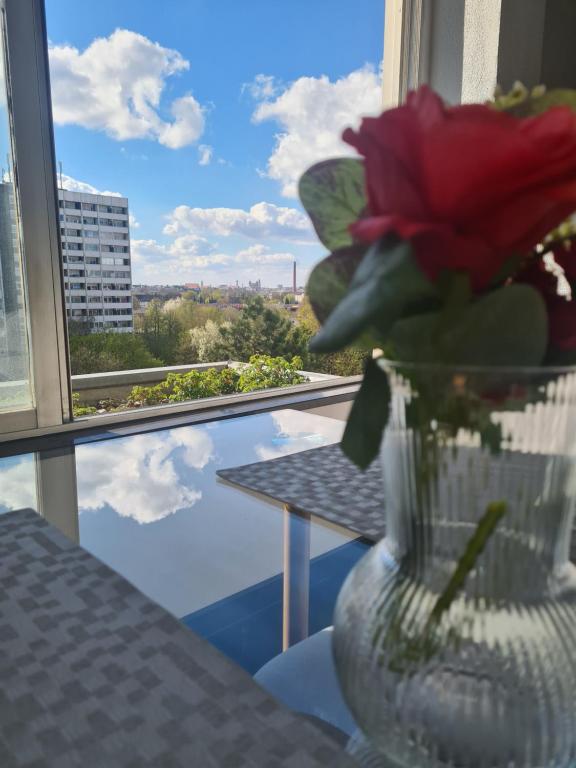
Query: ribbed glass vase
455, 636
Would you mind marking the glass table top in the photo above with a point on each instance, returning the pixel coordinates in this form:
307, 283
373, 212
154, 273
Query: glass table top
150, 506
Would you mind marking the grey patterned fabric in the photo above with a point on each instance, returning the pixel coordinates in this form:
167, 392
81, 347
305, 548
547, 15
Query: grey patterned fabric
321, 482
92, 673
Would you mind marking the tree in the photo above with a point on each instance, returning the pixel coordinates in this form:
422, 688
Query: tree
262, 330
204, 344
101, 352
161, 332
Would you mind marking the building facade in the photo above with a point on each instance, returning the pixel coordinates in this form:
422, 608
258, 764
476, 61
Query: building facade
95, 236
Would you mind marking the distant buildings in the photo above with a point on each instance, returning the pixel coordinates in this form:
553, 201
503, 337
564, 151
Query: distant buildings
97, 266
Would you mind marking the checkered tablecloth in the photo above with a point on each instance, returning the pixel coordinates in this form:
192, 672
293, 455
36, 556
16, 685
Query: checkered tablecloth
94, 674
321, 482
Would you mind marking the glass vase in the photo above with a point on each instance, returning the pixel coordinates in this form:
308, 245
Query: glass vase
455, 636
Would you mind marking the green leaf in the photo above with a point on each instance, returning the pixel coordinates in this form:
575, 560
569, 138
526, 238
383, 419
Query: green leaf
368, 417
387, 281
331, 278
332, 192
507, 327
540, 102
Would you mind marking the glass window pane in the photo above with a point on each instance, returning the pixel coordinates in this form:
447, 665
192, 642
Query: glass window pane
15, 390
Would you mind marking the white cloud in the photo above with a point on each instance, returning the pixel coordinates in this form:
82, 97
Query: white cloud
134, 223
73, 185
18, 484
262, 221
142, 482
176, 262
259, 254
262, 87
205, 152
115, 85
312, 113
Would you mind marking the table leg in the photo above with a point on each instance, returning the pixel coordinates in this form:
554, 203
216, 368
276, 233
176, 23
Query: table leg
296, 576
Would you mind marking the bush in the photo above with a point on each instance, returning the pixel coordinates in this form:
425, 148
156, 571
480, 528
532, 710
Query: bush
97, 352
262, 372
78, 409
265, 372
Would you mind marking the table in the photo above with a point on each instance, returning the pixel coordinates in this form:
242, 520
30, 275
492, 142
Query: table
93, 673
150, 506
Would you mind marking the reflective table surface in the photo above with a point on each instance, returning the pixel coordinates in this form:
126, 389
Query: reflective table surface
150, 506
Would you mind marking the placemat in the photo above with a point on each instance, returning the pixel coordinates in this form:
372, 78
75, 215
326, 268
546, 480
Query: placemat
94, 674
321, 482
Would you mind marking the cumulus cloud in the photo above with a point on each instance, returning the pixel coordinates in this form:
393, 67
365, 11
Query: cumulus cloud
259, 254
205, 152
134, 223
142, 482
73, 185
17, 484
262, 221
311, 114
115, 85
176, 262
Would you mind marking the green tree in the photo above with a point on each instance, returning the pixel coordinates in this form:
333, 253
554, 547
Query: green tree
161, 332
101, 352
261, 330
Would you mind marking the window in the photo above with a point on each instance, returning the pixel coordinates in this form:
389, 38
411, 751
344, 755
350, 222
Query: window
90, 233
89, 220
71, 204
92, 259
92, 247
88, 207
72, 219
112, 209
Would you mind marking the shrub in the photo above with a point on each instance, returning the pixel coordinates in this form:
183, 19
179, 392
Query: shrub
263, 372
79, 409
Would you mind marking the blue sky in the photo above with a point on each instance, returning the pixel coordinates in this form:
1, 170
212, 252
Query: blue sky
203, 114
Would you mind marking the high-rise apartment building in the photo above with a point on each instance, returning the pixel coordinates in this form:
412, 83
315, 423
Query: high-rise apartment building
97, 268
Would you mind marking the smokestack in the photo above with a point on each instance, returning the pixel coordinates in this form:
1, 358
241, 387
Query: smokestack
294, 279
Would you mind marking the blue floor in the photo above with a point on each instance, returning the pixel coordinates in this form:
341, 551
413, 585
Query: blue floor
247, 626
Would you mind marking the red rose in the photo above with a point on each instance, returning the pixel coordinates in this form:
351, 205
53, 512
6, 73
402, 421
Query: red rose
470, 186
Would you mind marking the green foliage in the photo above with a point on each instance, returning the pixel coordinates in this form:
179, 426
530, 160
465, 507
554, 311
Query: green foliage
261, 330
507, 327
332, 192
385, 285
97, 352
330, 279
265, 372
79, 409
345, 362
368, 417
161, 332
521, 102
262, 372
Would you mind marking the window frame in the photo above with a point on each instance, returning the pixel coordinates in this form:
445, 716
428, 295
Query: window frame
35, 178
35, 161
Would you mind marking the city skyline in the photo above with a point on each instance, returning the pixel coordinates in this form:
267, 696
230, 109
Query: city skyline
206, 133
